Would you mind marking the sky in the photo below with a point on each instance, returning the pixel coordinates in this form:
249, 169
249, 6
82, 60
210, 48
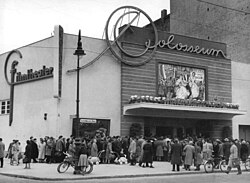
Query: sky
26, 21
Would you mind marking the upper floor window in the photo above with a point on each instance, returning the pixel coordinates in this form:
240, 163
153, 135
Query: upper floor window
5, 106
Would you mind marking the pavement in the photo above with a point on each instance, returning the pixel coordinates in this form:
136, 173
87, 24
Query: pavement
44, 171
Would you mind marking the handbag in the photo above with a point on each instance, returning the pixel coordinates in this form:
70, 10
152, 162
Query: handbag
25, 160
236, 162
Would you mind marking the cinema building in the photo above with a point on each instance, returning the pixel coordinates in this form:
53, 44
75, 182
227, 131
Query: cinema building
183, 88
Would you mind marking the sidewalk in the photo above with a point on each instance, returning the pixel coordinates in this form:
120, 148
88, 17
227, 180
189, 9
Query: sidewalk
43, 171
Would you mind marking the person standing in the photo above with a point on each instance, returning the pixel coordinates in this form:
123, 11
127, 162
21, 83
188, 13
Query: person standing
41, 148
15, 151
234, 158
10, 153
34, 149
176, 153
189, 155
60, 148
94, 149
226, 149
159, 149
148, 154
2, 149
244, 151
28, 154
197, 155
132, 151
48, 150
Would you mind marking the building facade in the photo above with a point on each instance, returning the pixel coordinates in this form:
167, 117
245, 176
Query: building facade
184, 86
221, 21
46, 106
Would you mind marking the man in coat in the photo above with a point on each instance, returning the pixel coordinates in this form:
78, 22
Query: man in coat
176, 153
2, 149
60, 148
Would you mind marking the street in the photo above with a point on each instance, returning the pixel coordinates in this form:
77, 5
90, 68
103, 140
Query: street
204, 178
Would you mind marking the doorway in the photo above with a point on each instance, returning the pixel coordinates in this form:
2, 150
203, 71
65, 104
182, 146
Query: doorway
164, 131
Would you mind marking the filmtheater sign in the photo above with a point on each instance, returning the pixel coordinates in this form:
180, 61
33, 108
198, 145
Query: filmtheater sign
30, 75
34, 75
19, 77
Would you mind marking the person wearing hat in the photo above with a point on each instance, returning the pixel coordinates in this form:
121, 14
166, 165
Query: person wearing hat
244, 151
147, 154
80, 157
176, 153
189, 155
234, 160
226, 149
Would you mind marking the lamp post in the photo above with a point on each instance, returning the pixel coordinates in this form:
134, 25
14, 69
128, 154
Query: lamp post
78, 52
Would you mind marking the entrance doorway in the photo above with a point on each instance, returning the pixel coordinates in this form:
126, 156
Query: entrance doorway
89, 127
164, 131
244, 132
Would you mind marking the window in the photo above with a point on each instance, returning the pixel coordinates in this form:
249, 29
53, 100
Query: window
5, 107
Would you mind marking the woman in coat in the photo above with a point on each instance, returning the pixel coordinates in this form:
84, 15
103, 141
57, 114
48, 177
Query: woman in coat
41, 150
108, 151
48, 150
159, 149
148, 154
94, 149
28, 154
189, 155
233, 158
176, 153
244, 151
197, 155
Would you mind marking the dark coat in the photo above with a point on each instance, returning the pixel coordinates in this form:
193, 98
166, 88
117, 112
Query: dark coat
34, 149
226, 150
244, 152
147, 153
176, 153
80, 149
28, 153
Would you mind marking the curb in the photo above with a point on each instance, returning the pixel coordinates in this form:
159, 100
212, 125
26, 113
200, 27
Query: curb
106, 177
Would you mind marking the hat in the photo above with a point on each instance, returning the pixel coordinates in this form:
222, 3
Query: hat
217, 140
78, 141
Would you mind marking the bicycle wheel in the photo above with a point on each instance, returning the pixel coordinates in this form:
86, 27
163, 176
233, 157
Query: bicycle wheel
102, 156
247, 165
89, 168
223, 166
208, 166
63, 167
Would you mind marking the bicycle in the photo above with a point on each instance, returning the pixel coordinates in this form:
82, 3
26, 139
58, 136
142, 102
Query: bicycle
246, 164
70, 161
102, 156
211, 164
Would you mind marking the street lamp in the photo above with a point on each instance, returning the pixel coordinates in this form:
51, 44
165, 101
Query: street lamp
79, 52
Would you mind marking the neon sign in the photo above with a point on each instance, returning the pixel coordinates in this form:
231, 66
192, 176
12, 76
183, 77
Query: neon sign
184, 47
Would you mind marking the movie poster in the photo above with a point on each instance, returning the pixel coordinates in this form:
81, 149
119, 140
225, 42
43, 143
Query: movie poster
181, 82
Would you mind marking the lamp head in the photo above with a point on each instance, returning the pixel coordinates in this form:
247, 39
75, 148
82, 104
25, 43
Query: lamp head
79, 51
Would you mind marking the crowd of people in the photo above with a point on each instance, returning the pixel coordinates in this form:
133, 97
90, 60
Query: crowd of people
138, 150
